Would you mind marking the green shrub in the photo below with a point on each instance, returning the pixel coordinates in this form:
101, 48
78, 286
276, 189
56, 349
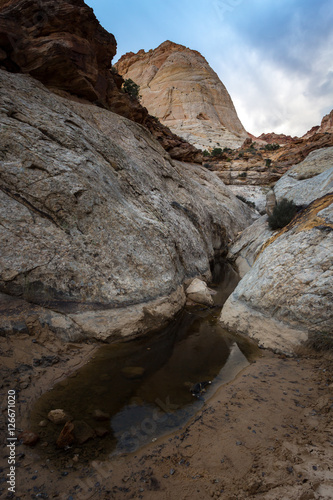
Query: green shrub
131, 88
283, 212
268, 162
243, 174
217, 152
272, 147
206, 153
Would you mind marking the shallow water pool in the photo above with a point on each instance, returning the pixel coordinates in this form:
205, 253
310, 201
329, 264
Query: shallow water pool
144, 385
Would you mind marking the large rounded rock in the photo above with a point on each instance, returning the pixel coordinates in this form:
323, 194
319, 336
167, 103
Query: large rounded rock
246, 247
106, 227
308, 180
198, 292
287, 294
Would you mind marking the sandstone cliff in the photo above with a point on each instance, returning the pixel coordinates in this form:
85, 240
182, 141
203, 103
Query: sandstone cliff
326, 126
100, 228
273, 138
286, 292
179, 87
63, 45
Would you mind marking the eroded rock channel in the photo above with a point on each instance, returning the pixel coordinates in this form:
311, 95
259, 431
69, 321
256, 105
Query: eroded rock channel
132, 392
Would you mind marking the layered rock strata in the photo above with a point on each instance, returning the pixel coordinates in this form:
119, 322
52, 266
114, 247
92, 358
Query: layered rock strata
180, 88
63, 45
299, 149
100, 227
285, 294
308, 180
326, 127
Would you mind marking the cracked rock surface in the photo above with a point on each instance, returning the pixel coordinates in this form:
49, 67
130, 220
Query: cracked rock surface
287, 294
99, 225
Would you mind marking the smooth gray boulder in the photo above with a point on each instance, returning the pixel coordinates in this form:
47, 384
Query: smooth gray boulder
246, 247
99, 227
198, 292
255, 195
308, 180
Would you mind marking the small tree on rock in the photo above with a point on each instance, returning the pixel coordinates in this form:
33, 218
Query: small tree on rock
131, 88
217, 152
283, 212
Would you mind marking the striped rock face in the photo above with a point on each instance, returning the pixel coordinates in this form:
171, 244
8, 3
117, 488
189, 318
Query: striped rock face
179, 87
286, 297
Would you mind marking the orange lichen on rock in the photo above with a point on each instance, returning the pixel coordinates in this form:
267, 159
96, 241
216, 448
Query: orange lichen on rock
305, 220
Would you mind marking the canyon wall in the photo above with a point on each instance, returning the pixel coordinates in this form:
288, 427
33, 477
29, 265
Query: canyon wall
100, 227
285, 296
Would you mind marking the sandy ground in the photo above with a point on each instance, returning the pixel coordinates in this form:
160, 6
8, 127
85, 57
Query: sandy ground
266, 435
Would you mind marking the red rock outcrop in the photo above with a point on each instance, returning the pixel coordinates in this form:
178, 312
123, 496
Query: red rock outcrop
62, 44
327, 123
311, 132
326, 126
59, 43
298, 150
273, 138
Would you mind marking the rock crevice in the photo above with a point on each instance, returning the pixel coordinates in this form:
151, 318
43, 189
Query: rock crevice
102, 221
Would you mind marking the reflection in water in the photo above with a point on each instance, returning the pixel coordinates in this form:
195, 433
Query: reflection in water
138, 422
144, 385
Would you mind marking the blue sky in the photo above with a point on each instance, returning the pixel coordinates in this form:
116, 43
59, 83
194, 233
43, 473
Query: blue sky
274, 56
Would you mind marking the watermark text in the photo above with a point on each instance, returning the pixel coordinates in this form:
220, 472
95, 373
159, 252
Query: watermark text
11, 441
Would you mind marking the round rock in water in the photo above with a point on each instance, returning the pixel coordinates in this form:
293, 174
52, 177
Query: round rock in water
58, 416
198, 292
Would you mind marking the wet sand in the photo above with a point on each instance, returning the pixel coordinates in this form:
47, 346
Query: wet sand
268, 434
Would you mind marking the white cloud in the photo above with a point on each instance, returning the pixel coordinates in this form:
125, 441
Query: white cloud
272, 96
274, 57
